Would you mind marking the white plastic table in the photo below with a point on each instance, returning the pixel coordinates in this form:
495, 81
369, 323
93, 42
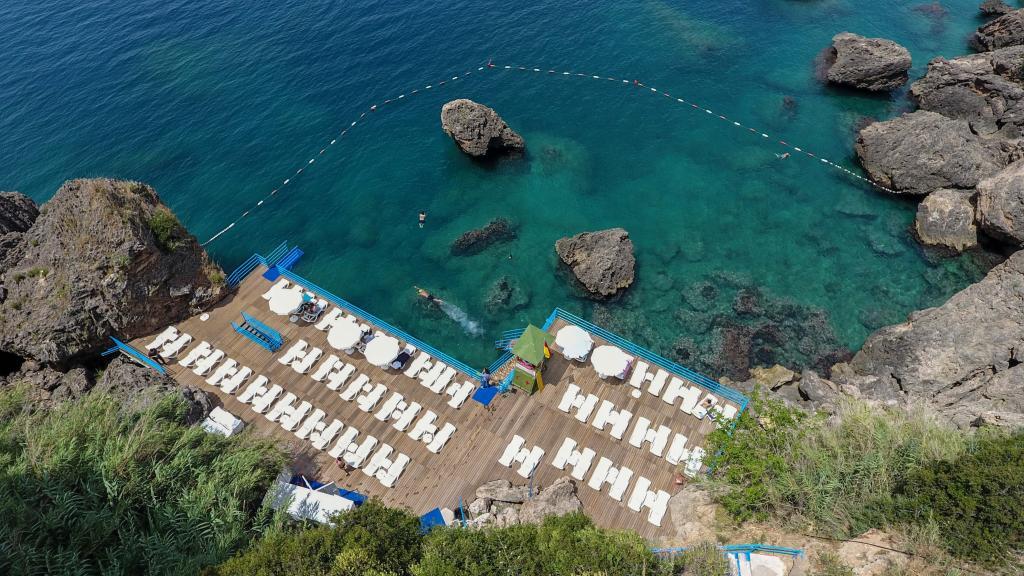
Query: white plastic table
609, 361
285, 301
344, 335
382, 350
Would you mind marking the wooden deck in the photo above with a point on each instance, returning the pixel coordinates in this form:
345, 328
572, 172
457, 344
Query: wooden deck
470, 458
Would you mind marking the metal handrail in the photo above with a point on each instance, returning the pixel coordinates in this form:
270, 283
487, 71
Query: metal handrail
131, 351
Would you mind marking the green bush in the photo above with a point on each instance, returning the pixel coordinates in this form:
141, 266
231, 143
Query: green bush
167, 231
89, 489
704, 559
977, 500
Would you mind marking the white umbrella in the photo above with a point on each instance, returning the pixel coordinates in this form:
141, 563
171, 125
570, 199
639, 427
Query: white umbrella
344, 335
284, 302
574, 341
382, 350
609, 361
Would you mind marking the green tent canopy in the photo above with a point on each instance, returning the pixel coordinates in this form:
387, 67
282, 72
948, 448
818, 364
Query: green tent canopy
530, 346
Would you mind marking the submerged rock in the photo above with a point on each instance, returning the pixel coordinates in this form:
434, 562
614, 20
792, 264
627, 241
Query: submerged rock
1007, 30
946, 218
602, 261
105, 257
506, 295
477, 240
923, 151
1001, 204
873, 64
984, 89
478, 130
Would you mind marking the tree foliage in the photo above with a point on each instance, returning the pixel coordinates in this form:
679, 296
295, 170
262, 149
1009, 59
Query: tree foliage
87, 489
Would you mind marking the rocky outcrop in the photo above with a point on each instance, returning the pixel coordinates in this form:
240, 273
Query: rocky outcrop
499, 503
602, 261
962, 357
693, 511
1007, 30
17, 214
994, 8
138, 387
105, 257
946, 218
477, 240
873, 64
478, 130
983, 89
923, 151
1001, 204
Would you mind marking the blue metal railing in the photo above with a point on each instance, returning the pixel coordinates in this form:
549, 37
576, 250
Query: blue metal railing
500, 361
768, 548
236, 277
344, 304
695, 377
137, 355
507, 338
275, 255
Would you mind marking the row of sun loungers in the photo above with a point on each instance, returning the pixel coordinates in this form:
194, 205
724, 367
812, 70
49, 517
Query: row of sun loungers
169, 342
677, 388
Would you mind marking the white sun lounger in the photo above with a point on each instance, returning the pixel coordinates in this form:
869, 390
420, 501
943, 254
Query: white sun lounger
297, 350
676, 449
569, 398
636, 499
261, 404
378, 461
282, 284
201, 351
306, 362
673, 391
393, 472
346, 440
702, 409
356, 457
728, 411
428, 378
442, 437
228, 368
658, 439
658, 382
171, 349
603, 415
423, 425
620, 422
328, 320
236, 380
513, 448
414, 369
357, 386
462, 392
581, 461
283, 406
531, 462
443, 380
640, 429
564, 451
321, 439
291, 419
599, 476
315, 419
639, 375
657, 503
256, 388
325, 368
694, 462
169, 334
341, 375
205, 364
402, 422
690, 398
367, 401
387, 409
621, 482
583, 414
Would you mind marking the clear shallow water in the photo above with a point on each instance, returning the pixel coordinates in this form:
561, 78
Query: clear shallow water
215, 103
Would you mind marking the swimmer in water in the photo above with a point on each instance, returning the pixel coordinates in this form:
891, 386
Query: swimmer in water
429, 297
782, 156
423, 218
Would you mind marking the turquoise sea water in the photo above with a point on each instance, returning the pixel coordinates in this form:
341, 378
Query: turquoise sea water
215, 103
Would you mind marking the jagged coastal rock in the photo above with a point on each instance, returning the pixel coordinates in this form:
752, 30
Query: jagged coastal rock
923, 151
17, 213
105, 257
499, 503
1007, 30
984, 89
946, 218
477, 240
963, 357
994, 8
602, 261
873, 64
478, 130
1001, 205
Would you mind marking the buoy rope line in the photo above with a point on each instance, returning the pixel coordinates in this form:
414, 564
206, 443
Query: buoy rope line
563, 73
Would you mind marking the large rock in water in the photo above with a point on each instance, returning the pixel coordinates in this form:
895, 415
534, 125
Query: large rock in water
602, 261
994, 8
946, 218
923, 151
963, 357
478, 130
104, 258
874, 64
1001, 204
984, 89
1007, 30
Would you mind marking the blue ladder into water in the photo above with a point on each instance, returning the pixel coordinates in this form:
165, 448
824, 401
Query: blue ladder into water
258, 332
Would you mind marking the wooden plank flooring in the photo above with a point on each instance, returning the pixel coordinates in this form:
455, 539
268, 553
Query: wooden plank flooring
470, 457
